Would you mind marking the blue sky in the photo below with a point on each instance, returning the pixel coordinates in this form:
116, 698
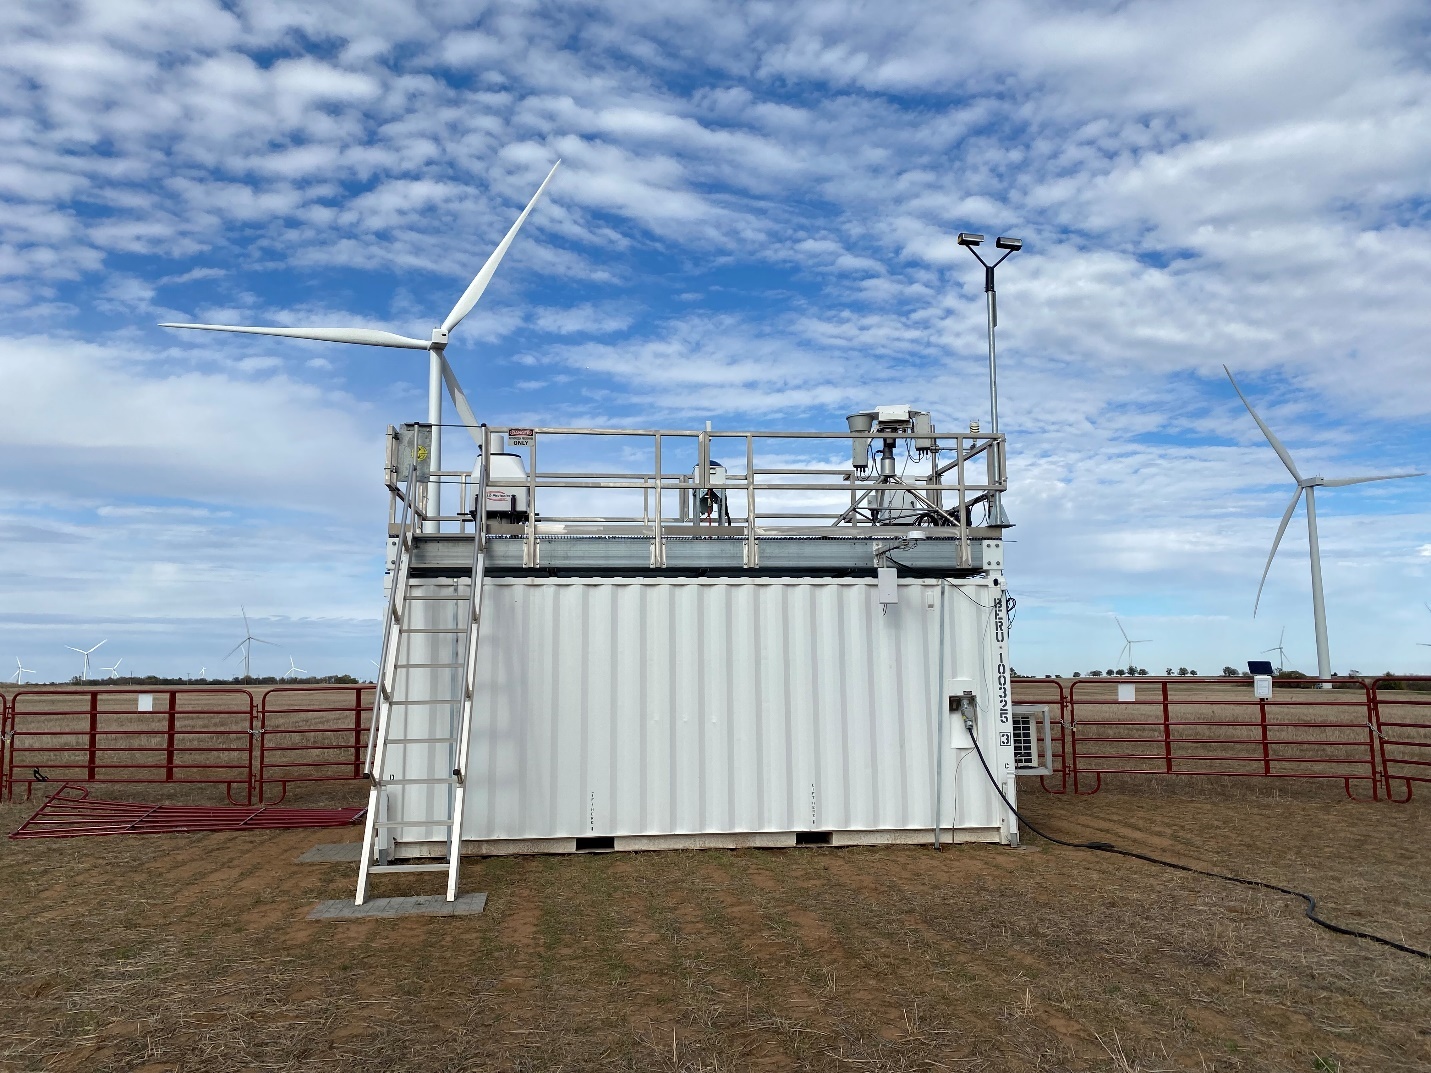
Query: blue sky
754, 224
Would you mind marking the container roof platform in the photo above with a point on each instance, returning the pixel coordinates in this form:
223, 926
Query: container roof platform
892, 492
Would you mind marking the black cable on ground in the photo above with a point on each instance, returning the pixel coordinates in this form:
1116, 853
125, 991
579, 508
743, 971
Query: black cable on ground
1108, 847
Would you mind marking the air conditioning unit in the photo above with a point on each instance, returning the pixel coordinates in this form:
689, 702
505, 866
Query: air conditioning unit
1033, 740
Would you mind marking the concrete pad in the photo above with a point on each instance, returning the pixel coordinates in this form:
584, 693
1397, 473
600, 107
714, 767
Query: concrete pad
427, 905
334, 853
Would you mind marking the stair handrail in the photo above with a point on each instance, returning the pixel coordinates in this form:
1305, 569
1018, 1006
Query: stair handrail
384, 682
469, 680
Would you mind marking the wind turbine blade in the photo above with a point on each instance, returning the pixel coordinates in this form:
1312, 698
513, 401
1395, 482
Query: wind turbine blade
479, 283
364, 336
1286, 518
1282, 452
261, 641
459, 400
1121, 629
235, 648
1343, 482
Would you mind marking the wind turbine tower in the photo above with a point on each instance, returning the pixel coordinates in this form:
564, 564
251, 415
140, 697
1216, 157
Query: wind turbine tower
1128, 643
247, 644
1281, 652
86, 653
438, 368
1309, 485
20, 671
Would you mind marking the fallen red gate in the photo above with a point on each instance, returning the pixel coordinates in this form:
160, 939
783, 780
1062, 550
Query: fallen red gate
70, 812
130, 736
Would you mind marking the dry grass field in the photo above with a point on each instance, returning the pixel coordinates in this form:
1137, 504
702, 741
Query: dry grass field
192, 952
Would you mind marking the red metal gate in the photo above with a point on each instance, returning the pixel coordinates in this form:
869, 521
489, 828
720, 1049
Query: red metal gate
1213, 726
311, 734
1403, 718
130, 735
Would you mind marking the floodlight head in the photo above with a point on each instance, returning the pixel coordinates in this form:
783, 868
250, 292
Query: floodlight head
967, 239
1009, 243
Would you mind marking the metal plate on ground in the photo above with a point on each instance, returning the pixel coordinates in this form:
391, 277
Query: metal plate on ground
427, 905
333, 853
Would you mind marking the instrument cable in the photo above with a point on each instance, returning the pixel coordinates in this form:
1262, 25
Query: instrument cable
1108, 847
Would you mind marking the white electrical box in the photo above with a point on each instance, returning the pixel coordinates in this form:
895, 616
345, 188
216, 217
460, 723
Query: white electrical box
888, 585
1127, 693
1262, 686
146, 702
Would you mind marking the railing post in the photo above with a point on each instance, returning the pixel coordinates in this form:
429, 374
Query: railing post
93, 730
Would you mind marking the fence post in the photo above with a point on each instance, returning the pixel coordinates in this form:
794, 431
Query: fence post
1266, 750
93, 730
172, 728
1167, 733
1373, 735
357, 732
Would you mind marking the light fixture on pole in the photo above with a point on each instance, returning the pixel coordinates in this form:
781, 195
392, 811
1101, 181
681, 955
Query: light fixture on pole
971, 242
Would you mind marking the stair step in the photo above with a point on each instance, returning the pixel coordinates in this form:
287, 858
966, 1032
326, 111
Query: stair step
425, 629
426, 666
413, 823
410, 703
442, 867
448, 780
422, 741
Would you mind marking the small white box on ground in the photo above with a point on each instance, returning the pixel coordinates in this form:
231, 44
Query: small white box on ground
146, 702
1262, 686
1127, 693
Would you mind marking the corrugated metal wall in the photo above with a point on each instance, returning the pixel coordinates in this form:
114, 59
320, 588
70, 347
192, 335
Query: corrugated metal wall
700, 706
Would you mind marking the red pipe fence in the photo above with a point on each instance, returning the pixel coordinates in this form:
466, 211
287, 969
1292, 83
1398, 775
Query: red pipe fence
1370, 734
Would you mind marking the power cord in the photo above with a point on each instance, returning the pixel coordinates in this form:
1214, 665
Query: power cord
1108, 847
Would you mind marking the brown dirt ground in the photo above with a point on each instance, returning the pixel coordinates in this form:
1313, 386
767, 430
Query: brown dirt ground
192, 952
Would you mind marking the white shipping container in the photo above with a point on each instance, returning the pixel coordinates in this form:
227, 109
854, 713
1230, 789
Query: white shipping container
719, 711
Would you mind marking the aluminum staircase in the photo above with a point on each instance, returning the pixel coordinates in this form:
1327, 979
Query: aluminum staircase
422, 718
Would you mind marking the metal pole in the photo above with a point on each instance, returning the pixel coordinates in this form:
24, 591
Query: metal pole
434, 418
991, 302
1319, 604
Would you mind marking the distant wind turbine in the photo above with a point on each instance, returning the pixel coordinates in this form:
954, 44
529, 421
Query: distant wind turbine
439, 371
85, 652
20, 671
113, 671
1309, 485
247, 644
1281, 652
1423, 644
1128, 643
292, 669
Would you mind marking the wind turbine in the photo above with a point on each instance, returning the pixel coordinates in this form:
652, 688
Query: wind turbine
247, 643
292, 669
113, 671
1423, 644
85, 652
1128, 643
1281, 653
439, 371
1308, 485
20, 671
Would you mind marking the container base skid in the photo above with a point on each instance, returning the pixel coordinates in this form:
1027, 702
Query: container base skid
504, 847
